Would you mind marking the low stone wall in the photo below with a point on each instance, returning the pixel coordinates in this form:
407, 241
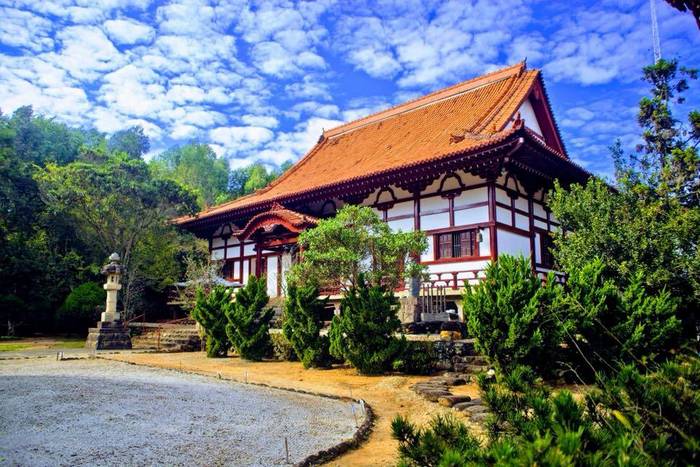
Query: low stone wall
165, 337
458, 356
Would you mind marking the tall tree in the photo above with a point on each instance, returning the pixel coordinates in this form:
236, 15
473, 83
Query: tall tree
131, 141
115, 206
196, 166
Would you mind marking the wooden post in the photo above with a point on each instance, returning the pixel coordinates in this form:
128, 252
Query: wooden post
491, 187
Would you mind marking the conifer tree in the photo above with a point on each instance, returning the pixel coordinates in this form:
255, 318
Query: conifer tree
302, 324
249, 320
363, 334
209, 312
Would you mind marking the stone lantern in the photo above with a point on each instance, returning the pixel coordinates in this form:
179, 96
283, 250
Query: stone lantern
110, 333
113, 271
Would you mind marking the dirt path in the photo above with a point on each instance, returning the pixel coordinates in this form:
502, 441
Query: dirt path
388, 395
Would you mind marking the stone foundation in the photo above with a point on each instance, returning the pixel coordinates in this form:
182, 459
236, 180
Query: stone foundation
459, 356
108, 335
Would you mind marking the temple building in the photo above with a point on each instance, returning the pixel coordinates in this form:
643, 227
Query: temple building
470, 165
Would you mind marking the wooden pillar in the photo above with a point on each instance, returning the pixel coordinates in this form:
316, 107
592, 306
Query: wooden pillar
531, 217
240, 266
416, 210
258, 259
491, 187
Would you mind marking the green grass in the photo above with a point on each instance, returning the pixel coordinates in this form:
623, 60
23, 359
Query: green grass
12, 346
71, 343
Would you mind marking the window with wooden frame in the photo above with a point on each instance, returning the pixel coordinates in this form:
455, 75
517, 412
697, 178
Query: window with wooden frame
546, 248
228, 271
461, 244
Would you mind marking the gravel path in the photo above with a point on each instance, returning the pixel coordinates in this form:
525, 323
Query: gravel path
96, 412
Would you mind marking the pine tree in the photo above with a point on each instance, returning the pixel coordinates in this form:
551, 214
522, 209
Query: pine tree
363, 334
209, 312
249, 320
510, 314
302, 325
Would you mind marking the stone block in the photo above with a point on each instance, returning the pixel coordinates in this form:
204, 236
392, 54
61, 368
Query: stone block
449, 401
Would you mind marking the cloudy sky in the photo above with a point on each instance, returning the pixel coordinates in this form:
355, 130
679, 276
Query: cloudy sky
261, 80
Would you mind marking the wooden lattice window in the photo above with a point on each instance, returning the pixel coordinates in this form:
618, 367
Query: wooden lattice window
460, 244
546, 249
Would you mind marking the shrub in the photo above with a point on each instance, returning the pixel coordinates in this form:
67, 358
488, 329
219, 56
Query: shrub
81, 308
363, 334
303, 311
210, 312
510, 314
281, 347
249, 320
615, 325
12, 311
635, 418
416, 358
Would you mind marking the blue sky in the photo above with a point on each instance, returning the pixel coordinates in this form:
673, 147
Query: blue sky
260, 80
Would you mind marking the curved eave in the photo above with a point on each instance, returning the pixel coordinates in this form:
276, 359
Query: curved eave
466, 159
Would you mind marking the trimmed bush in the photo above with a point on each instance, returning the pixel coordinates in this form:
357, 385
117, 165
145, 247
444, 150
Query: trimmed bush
614, 325
363, 334
210, 312
302, 325
416, 358
511, 316
82, 307
281, 347
249, 320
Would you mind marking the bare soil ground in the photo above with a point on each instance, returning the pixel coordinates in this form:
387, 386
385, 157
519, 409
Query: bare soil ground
388, 395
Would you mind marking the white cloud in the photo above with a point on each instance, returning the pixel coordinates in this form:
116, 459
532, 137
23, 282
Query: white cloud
266, 121
24, 29
240, 138
85, 53
125, 31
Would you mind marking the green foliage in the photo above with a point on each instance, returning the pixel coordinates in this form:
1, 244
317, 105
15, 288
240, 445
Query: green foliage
363, 334
511, 315
116, 205
282, 349
357, 242
635, 418
81, 308
302, 325
196, 166
650, 224
416, 358
131, 141
248, 320
444, 442
210, 312
613, 325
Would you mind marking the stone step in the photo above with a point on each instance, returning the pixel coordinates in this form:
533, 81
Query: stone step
449, 401
470, 369
464, 405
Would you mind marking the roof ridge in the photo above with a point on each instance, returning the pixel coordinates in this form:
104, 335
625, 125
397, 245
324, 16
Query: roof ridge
450, 91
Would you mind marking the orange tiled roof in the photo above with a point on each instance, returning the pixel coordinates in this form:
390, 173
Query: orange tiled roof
455, 119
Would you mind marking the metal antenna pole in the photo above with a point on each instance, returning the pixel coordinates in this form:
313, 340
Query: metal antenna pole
655, 31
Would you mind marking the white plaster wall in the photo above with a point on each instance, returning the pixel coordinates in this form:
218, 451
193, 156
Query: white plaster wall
217, 254
249, 249
246, 271
522, 222
477, 195
217, 242
401, 209
502, 196
471, 216
485, 244
521, 203
404, 225
503, 215
428, 254
233, 252
286, 266
513, 244
540, 224
539, 210
527, 113
435, 221
461, 266
272, 276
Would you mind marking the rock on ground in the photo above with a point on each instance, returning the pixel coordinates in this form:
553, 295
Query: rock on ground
94, 412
